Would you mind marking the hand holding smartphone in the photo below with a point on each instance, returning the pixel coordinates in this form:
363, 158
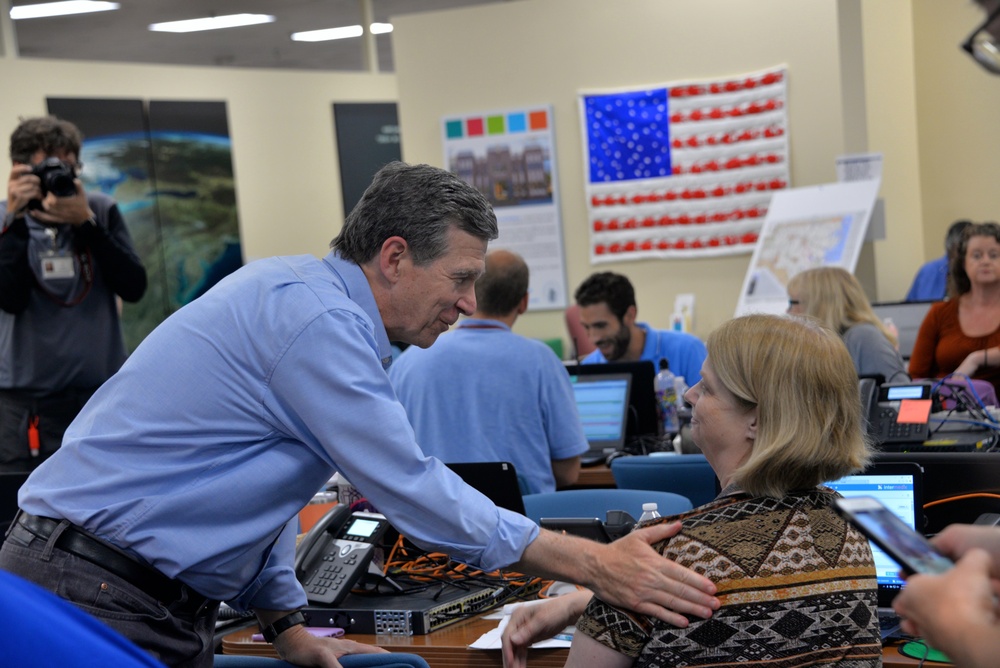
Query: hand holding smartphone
911, 550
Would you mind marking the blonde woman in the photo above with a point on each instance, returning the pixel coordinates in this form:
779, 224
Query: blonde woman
834, 298
776, 414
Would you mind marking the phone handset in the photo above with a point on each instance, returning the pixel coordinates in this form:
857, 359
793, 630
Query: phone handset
336, 553
320, 536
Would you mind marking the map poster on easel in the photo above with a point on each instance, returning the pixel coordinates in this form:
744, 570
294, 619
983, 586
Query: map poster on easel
807, 227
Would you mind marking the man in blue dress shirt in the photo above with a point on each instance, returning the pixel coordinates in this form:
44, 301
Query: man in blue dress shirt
608, 315
517, 400
178, 485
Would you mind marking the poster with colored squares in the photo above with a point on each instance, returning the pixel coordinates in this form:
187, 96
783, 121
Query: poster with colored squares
683, 169
509, 156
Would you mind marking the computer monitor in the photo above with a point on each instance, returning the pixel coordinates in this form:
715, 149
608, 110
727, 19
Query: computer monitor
958, 486
602, 401
642, 418
907, 316
900, 487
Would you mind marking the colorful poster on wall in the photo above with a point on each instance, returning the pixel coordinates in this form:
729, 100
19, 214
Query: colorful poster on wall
684, 169
510, 157
169, 167
815, 226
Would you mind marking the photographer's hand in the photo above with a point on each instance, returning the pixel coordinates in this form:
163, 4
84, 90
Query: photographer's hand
73, 209
22, 187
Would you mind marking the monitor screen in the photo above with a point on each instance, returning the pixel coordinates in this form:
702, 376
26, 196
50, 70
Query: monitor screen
602, 402
898, 487
642, 418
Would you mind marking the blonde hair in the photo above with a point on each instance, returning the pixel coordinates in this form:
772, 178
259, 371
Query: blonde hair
834, 297
803, 383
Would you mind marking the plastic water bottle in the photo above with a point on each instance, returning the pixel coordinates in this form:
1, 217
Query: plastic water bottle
649, 512
666, 399
680, 388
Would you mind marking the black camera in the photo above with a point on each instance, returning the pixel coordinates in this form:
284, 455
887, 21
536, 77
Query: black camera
56, 176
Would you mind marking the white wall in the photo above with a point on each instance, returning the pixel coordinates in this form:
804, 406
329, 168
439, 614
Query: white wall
280, 122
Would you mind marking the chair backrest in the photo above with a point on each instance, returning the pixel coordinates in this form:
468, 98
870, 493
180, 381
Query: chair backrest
597, 502
687, 475
577, 335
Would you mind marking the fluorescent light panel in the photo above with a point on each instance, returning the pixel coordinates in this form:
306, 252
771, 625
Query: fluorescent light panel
212, 23
344, 32
66, 8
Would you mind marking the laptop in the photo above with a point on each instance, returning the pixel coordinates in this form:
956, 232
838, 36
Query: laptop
602, 402
495, 480
900, 487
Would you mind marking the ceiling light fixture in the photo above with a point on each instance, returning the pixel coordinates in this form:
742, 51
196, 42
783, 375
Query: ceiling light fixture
66, 8
327, 34
212, 23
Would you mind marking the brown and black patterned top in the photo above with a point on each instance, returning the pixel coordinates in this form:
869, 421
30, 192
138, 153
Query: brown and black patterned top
796, 583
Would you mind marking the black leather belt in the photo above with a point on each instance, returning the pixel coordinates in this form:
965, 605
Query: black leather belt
75, 541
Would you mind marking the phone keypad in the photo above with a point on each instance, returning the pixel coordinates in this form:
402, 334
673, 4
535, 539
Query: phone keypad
900, 431
339, 570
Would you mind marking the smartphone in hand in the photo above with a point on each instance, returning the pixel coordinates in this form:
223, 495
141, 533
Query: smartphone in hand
910, 550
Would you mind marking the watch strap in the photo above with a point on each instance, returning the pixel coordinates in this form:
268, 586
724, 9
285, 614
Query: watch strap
282, 624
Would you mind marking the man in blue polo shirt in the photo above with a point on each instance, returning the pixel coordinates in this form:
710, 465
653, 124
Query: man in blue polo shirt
518, 403
608, 314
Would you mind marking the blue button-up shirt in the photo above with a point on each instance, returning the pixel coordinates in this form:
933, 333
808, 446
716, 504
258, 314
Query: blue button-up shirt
200, 452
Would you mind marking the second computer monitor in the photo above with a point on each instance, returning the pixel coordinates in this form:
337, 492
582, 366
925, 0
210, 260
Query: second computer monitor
642, 418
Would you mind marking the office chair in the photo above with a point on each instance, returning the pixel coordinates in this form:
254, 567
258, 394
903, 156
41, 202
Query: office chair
597, 502
687, 475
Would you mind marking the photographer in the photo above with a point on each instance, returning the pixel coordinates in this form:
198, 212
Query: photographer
64, 256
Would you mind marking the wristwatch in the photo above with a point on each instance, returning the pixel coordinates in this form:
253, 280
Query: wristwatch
282, 624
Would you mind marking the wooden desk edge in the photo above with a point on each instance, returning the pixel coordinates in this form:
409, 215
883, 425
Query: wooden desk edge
449, 647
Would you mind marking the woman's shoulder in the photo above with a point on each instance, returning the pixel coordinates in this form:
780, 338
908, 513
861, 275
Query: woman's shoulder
862, 330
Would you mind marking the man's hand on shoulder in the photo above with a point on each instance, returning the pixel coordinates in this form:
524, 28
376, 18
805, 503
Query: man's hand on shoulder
627, 573
637, 577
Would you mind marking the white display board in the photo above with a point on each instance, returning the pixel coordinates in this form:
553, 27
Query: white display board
807, 227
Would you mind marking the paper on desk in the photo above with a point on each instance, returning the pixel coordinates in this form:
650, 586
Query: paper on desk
491, 639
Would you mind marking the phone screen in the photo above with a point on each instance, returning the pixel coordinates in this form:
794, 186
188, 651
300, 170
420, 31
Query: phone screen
902, 543
362, 528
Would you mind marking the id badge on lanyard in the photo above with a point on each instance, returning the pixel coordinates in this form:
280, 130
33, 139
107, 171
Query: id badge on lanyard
56, 265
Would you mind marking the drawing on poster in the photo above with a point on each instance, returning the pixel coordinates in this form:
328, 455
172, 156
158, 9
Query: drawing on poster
509, 156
